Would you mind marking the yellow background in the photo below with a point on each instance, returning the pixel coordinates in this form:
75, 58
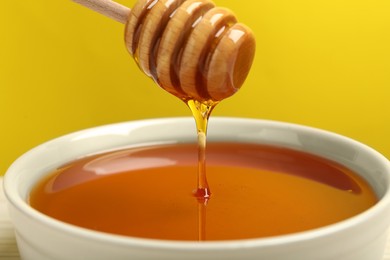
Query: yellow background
323, 63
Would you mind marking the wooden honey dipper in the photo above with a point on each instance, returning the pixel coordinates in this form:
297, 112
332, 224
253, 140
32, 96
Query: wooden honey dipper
191, 48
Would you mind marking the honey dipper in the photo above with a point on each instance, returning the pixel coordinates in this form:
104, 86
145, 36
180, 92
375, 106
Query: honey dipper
191, 48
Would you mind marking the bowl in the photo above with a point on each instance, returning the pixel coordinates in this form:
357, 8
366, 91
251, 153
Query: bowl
362, 236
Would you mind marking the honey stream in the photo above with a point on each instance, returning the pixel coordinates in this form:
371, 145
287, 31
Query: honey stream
201, 112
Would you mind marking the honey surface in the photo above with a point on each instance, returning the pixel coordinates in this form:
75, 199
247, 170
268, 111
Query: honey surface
257, 191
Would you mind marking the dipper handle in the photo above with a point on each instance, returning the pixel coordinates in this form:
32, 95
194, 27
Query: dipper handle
108, 8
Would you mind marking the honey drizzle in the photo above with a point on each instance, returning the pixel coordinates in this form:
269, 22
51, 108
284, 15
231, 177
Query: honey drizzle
201, 112
202, 203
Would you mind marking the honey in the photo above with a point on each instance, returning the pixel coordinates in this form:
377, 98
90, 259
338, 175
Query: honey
148, 192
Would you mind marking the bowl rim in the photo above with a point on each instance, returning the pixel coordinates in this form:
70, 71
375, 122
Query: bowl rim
13, 197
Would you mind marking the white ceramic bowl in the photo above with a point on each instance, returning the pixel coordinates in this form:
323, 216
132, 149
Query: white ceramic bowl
41, 237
